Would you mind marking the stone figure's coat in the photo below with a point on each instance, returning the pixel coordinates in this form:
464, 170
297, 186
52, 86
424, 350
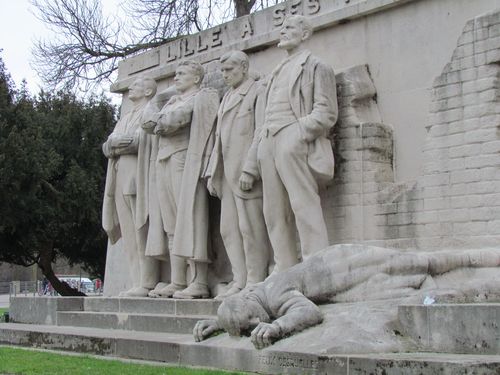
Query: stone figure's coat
313, 98
137, 180
191, 231
235, 150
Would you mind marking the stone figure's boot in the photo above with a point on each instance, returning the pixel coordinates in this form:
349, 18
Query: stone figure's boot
199, 287
233, 289
155, 293
178, 268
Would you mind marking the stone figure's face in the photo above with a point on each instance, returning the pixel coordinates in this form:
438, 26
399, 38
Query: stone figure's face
233, 72
136, 90
185, 79
291, 34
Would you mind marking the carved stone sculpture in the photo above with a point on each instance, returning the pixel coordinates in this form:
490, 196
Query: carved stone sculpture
125, 208
285, 302
294, 153
185, 129
234, 177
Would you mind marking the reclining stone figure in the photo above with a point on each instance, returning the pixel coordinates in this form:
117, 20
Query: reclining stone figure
285, 303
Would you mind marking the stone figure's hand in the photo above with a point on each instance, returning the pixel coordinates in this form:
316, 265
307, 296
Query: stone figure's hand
204, 328
149, 126
265, 334
246, 181
121, 141
158, 130
210, 187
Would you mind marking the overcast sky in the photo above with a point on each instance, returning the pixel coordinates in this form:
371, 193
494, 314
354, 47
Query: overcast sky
18, 28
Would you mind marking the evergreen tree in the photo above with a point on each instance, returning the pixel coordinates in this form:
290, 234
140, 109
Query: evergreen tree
52, 182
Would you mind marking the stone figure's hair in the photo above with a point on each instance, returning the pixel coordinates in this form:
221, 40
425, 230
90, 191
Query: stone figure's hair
233, 315
196, 67
150, 83
302, 21
238, 56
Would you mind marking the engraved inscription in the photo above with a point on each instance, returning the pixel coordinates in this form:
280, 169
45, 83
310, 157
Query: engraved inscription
304, 7
190, 45
289, 362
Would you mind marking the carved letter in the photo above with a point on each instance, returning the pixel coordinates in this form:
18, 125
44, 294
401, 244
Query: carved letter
200, 45
216, 40
313, 6
187, 51
279, 15
294, 6
246, 28
171, 52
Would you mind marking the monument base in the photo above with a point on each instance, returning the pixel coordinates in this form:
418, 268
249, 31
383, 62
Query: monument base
355, 338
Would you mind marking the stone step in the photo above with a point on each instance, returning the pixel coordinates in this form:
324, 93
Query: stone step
43, 310
453, 328
233, 354
151, 305
128, 321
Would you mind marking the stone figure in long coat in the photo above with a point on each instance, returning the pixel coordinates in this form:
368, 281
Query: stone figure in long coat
191, 239
125, 208
185, 127
234, 177
295, 156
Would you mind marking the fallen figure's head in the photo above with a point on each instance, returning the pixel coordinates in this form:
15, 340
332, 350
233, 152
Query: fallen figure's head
285, 302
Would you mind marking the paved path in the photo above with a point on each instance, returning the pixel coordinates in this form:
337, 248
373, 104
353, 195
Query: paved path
4, 300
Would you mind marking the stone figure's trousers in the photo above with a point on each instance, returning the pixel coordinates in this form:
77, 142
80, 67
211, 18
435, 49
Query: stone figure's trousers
244, 233
169, 181
144, 270
290, 190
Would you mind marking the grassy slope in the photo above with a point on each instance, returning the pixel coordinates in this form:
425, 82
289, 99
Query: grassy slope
30, 362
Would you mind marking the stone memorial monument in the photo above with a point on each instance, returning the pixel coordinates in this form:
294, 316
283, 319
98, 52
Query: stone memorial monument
233, 176
409, 283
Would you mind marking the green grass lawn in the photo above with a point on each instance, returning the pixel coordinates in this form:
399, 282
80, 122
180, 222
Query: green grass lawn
3, 309
32, 362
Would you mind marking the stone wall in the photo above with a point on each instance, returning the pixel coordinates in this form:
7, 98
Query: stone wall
456, 202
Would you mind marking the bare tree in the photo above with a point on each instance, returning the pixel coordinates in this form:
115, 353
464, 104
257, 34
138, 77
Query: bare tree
86, 45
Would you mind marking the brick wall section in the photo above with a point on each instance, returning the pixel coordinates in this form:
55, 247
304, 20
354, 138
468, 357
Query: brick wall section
457, 200
363, 154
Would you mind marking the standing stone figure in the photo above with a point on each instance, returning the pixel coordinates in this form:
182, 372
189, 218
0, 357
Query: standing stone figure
234, 176
185, 127
294, 153
125, 215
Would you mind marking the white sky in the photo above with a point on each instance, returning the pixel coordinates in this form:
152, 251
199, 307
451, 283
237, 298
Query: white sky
18, 29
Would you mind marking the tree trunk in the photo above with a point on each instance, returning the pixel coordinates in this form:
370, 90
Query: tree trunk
243, 7
45, 264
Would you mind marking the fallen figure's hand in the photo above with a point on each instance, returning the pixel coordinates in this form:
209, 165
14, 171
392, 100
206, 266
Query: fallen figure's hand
205, 328
265, 334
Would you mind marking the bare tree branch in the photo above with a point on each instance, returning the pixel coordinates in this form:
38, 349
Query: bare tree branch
87, 45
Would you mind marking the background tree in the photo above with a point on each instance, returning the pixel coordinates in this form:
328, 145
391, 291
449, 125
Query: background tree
86, 45
52, 181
